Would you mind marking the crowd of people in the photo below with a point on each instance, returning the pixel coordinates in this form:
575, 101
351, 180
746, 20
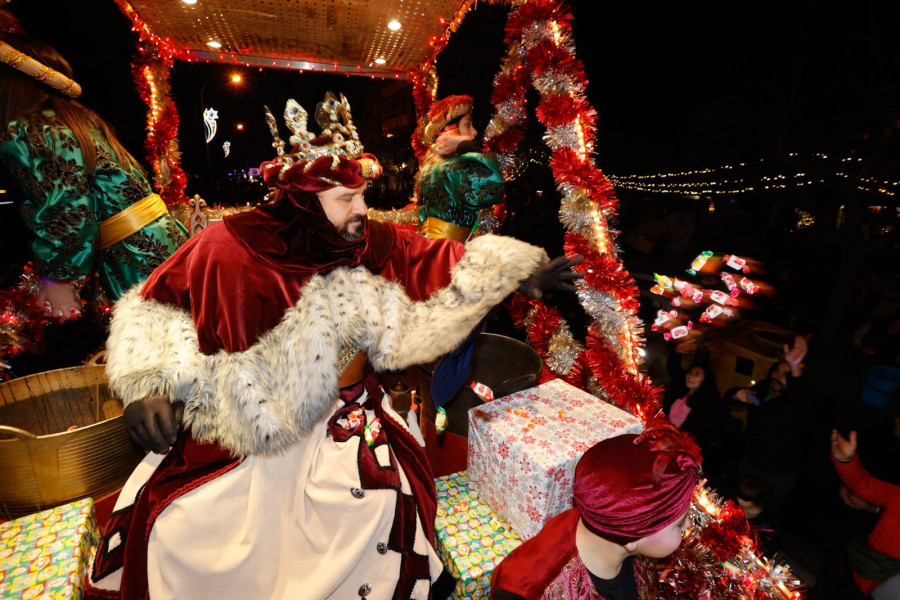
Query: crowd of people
764, 447
247, 358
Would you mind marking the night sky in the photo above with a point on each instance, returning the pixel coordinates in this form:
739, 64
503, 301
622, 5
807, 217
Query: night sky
676, 86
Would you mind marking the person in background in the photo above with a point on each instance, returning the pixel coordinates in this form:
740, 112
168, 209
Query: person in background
97, 227
632, 496
875, 559
753, 495
774, 441
692, 404
878, 339
456, 179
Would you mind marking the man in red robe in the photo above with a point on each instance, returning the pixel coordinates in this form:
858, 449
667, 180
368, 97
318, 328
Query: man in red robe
632, 494
248, 358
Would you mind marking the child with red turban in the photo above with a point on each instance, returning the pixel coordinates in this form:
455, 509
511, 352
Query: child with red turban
632, 495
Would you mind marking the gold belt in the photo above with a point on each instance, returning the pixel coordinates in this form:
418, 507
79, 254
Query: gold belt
438, 228
132, 219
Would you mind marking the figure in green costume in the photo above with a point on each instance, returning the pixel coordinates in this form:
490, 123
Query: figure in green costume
86, 200
456, 179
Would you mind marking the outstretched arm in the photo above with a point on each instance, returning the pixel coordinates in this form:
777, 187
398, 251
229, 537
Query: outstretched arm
853, 474
555, 275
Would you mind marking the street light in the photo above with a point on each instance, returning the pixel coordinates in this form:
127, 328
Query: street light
235, 79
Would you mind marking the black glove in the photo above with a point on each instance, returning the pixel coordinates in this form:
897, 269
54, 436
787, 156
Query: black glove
555, 275
153, 422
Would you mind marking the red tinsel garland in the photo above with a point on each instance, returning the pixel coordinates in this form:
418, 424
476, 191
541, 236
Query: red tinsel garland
22, 321
161, 145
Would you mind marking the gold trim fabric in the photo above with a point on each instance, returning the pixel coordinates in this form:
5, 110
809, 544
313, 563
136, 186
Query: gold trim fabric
131, 220
437, 228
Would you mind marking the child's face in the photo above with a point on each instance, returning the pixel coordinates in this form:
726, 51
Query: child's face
665, 541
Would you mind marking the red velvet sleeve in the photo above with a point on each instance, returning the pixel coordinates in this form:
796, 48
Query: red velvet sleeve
530, 568
420, 264
232, 299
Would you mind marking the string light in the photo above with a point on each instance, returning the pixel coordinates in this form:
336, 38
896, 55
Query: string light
663, 183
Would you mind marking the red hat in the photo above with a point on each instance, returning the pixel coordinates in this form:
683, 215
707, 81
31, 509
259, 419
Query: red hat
629, 487
442, 112
320, 174
333, 158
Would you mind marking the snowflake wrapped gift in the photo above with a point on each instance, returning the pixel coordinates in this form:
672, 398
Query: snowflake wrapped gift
523, 449
470, 538
46, 554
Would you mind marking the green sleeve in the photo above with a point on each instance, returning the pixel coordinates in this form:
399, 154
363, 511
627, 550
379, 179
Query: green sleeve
48, 165
475, 179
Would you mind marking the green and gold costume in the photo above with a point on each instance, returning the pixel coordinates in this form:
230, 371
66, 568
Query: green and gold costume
458, 187
64, 206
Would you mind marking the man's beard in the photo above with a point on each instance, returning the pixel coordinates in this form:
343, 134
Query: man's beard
351, 231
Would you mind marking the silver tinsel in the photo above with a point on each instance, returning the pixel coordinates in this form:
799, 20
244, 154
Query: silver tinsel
556, 83
575, 214
562, 350
507, 162
487, 222
535, 33
562, 136
511, 112
594, 387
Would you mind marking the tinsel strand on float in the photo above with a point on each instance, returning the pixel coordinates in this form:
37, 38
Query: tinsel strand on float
150, 71
718, 560
541, 54
22, 321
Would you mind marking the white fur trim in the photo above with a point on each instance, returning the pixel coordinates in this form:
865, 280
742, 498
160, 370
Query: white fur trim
156, 352
268, 397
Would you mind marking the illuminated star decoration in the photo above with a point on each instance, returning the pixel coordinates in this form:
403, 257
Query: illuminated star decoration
209, 118
227, 148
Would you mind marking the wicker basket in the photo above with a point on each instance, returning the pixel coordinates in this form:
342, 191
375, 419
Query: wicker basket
62, 437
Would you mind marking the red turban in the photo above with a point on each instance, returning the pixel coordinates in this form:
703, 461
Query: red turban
629, 487
322, 173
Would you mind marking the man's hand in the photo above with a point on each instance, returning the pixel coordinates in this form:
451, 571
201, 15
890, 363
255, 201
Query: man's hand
795, 354
153, 422
556, 274
841, 448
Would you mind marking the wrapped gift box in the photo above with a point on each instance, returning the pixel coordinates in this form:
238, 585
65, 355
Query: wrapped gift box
45, 555
523, 449
470, 537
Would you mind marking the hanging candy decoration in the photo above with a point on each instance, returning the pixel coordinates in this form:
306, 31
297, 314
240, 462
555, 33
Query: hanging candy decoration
698, 262
679, 332
688, 291
721, 297
748, 286
732, 285
664, 319
736, 262
714, 310
209, 119
227, 148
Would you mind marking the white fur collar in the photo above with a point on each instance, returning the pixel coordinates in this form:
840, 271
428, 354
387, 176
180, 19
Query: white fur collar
268, 397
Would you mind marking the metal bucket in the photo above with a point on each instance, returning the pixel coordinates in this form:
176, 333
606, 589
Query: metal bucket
62, 437
501, 363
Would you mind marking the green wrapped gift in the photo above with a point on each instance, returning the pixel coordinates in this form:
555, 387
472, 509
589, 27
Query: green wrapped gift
471, 538
45, 556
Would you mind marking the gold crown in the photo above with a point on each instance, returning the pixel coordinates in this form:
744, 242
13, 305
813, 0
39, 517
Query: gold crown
338, 137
